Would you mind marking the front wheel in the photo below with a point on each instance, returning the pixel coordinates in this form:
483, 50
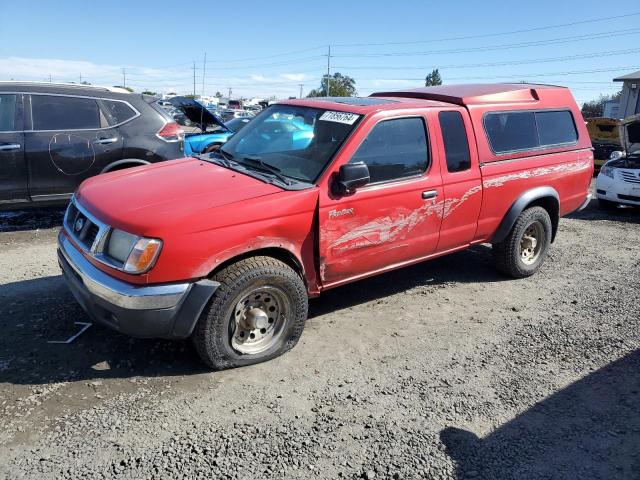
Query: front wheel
257, 313
521, 254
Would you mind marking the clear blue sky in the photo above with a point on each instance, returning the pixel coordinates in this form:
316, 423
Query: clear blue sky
270, 47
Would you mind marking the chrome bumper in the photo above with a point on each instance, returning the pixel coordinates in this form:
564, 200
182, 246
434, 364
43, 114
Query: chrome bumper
585, 203
117, 292
153, 311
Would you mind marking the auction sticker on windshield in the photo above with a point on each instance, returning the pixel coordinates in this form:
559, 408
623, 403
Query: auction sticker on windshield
340, 117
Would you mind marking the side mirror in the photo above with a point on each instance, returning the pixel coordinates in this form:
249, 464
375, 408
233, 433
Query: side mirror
351, 177
616, 154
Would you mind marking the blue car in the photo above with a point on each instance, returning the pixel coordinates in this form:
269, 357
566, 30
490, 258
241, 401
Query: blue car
213, 131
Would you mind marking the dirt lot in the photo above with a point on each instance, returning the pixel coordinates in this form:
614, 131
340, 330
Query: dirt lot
442, 370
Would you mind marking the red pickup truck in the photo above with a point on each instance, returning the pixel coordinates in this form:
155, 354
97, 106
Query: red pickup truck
227, 247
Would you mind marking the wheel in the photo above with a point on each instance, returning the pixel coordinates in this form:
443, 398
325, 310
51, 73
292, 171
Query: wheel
212, 148
607, 204
256, 314
525, 248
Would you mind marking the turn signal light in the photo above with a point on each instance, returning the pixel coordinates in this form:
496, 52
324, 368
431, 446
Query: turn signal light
143, 255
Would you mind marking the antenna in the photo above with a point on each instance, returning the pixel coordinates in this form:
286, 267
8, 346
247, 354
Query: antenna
194, 78
204, 66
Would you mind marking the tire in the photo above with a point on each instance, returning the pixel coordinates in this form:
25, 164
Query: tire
267, 284
607, 204
513, 256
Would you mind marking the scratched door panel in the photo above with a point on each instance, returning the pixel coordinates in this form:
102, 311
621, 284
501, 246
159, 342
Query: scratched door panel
378, 227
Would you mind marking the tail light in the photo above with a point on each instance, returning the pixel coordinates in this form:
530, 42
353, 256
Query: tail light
171, 132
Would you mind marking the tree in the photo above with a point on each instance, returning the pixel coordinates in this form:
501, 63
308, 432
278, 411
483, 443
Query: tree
595, 108
149, 92
218, 95
433, 78
339, 86
126, 88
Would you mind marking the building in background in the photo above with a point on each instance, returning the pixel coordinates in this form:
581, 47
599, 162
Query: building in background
629, 101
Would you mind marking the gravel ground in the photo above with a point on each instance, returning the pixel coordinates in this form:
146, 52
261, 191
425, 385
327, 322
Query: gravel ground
442, 370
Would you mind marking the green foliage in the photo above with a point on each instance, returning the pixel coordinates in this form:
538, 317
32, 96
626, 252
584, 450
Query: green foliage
149, 92
339, 86
121, 86
595, 108
433, 78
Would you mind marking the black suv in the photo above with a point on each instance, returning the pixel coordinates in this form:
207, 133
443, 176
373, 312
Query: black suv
53, 136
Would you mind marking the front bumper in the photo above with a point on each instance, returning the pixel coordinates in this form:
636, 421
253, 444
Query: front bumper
157, 311
617, 191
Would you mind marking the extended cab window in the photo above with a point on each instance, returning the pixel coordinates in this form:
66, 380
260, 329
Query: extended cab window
394, 149
7, 113
118, 112
516, 131
64, 113
456, 144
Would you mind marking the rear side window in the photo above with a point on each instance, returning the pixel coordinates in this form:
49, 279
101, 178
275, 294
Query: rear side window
7, 113
556, 128
118, 112
394, 149
456, 145
64, 113
517, 131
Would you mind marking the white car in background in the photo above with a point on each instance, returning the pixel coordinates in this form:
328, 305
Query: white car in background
618, 182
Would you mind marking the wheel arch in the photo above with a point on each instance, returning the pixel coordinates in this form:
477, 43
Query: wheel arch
118, 165
279, 253
545, 197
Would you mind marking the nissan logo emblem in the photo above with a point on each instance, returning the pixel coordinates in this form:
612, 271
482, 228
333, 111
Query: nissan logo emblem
79, 224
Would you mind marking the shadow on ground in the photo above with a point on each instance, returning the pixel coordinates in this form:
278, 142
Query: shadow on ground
590, 429
34, 219
32, 312
620, 214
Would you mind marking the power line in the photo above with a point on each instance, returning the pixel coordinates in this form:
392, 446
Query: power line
609, 53
496, 34
535, 43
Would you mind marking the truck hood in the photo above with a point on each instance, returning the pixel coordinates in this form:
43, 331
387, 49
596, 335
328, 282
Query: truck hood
144, 200
630, 133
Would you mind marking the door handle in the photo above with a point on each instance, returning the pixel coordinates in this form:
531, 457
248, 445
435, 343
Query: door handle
9, 146
105, 141
429, 194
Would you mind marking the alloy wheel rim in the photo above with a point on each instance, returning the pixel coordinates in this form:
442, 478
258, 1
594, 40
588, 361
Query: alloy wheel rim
258, 320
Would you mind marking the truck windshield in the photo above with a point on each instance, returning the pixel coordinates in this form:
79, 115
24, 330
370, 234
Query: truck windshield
296, 141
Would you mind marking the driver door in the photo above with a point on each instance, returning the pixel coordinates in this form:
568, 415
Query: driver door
393, 220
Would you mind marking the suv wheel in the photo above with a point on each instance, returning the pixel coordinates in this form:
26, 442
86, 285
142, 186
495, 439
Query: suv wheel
525, 248
257, 314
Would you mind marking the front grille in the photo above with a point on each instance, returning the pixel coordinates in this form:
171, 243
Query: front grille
630, 177
631, 198
81, 227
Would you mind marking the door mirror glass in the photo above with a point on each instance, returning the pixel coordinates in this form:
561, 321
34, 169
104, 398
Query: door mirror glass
351, 177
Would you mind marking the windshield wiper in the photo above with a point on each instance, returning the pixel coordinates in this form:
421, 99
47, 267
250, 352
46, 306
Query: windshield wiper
259, 164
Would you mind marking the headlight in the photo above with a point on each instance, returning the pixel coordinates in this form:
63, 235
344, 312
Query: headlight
135, 254
607, 171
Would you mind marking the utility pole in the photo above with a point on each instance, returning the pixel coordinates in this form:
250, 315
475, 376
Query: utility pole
49, 78
230, 93
328, 71
124, 77
194, 78
204, 69
301, 85
80, 78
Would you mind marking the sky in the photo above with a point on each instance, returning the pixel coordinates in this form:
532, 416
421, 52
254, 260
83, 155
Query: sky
265, 48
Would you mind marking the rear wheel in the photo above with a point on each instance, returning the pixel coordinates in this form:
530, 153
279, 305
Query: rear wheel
521, 254
607, 204
257, 314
